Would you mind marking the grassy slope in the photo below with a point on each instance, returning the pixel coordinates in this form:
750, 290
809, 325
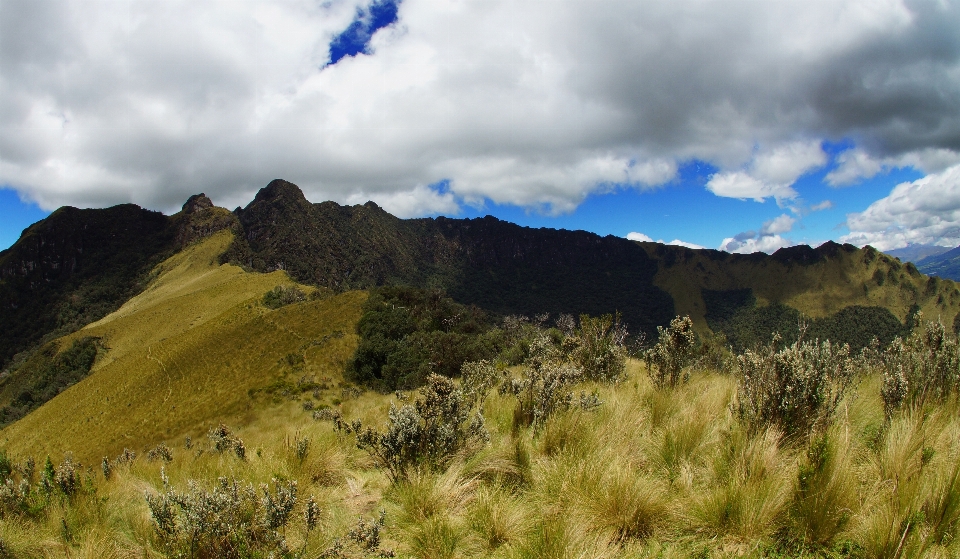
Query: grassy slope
179, 358
649, 474
817, 290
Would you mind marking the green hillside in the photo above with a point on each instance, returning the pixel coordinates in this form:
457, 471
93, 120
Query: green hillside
191, 350
819, 283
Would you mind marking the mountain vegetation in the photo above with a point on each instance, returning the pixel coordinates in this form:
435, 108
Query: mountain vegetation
491, 391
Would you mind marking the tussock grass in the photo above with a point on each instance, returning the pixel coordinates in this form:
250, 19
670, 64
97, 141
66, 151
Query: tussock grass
651, 472
607, 483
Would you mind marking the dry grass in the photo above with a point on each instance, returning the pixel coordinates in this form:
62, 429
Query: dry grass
180, 358
650, 473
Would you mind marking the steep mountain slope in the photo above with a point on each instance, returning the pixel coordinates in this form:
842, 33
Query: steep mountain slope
76, 266
497, 265
194, 348
945, 265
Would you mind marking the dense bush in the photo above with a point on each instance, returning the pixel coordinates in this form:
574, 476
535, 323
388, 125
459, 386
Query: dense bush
923, 368
281, 296
50, 375
797, 388
427, 434
406, 334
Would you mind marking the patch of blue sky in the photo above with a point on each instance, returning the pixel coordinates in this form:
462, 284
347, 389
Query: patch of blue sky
355, 39
17, 216
685, 210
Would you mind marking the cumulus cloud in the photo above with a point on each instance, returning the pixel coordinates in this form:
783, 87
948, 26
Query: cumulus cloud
925, 211
770, 174
855, 165
154, 100
781, 224
420, 201
749, 245
768, 239
634, 236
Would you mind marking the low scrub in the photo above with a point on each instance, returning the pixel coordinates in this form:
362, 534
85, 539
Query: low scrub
923, 368
796, 389
428, 434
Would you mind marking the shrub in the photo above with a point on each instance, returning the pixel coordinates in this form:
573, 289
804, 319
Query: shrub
428, 433
67, 476
543, 389
230, 520
797, 388
669, 359
600, 349
160, 452
281, 296
223, 439
923, 368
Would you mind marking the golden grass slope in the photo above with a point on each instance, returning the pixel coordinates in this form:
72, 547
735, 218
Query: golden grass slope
863, 277
186, 353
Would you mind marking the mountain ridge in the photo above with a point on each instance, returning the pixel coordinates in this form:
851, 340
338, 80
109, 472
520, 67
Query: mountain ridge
497, 265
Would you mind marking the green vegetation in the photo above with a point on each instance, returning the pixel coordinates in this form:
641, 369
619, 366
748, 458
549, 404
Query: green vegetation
746, 325
652, 471
49, 373
281, 296
407, 333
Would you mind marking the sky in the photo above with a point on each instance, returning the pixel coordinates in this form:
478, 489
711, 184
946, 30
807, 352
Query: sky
725, 124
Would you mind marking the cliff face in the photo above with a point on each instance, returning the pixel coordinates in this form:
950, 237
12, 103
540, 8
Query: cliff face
491, 263
74, 267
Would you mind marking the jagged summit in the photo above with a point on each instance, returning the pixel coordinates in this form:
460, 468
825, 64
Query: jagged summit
196, 203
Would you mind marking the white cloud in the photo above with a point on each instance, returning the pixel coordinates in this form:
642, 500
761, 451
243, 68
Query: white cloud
771, 174
782, 224
825, 205
925, 211
678, 242
417, 202
768, 244
855, 164
768, 239
151, 101
634, 236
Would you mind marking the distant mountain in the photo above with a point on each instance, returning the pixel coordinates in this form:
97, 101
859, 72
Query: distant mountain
916, 253
945, 265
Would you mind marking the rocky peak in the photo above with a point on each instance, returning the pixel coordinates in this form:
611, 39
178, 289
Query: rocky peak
279, 189
196, 203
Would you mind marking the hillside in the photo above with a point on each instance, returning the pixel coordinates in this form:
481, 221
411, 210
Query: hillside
190, 350
712, 287
76, 266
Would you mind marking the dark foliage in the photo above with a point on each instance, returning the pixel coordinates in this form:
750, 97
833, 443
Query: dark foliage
48, 375
408, 333
734, 313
